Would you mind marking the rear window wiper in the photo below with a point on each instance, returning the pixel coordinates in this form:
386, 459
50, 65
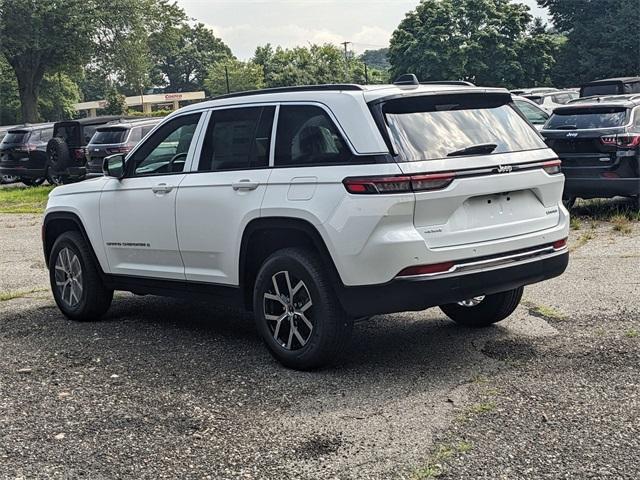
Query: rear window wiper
474, 150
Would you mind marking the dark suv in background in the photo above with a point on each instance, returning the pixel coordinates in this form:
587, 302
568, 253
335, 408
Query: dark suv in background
66, 151
611, 86
115, 138
598, 141
23, 153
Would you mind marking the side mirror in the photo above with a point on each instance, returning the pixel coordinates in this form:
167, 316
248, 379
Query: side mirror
113, 166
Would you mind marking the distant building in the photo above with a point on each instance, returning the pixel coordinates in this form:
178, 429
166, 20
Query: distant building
168, 100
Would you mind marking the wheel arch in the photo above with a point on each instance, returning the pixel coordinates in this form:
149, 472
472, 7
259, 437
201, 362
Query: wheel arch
57, 223
263, 236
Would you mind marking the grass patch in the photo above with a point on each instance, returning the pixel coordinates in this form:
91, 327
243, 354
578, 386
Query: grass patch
544, 312
582, 240
604, 210
24, 199
575, 223
435, 466
6, 296
632, 333
621, 224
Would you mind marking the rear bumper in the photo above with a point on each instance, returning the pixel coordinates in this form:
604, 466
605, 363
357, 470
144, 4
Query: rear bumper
23, 172
601, 187
420, 293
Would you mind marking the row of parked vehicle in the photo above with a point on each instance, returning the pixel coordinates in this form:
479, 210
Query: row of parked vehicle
596, 135
68, 151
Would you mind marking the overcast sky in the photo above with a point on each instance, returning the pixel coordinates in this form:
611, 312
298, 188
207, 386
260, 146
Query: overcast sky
245, 24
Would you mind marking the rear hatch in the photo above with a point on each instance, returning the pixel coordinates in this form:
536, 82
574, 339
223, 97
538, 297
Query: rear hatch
493, 158
106, 141
590, 140
14, 148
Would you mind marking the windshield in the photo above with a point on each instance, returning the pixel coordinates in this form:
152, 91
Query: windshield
427, 128
577, 119
109, 136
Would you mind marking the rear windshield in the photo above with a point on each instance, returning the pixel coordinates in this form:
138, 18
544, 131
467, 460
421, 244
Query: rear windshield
426, 128
577, 119
601, 89
109, 136
15, 137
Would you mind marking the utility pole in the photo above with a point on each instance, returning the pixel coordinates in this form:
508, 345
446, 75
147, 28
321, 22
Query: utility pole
366, 75
346, 58
226, 74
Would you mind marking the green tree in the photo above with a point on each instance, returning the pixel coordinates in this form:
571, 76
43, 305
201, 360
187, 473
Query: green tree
483, 41
601, 40
378, 59
116, 104
9, 98
44, 37
58, 94
315, 64
242, 76
183, 55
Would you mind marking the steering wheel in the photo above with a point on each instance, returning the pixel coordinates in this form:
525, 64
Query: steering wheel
174, 158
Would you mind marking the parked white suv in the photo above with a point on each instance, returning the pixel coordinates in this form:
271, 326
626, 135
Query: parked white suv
313, 206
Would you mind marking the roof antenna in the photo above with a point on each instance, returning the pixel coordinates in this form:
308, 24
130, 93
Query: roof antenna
407, 79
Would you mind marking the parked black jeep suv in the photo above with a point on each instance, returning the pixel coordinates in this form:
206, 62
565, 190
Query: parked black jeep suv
598, 141
23, 153
611, 86
66, 151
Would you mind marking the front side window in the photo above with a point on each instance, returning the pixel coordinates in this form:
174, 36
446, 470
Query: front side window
166, 151
427, 128
306, 136
237, 139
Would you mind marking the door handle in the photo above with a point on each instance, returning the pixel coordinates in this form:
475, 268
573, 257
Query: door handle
161, 188
245, 184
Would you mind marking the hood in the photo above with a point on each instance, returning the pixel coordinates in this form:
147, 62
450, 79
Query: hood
86, 186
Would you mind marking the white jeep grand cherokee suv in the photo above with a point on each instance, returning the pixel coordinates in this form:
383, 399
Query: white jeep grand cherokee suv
313, 206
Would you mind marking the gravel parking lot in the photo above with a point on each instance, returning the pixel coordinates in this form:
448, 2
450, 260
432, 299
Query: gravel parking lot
168, 389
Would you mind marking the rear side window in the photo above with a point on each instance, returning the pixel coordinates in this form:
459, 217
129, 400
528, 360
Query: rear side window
582, 118
46, 135
69, 133
87, 133
109, 136
237, 139
535, 98
535, 115
307, 136
426, 128
16, 137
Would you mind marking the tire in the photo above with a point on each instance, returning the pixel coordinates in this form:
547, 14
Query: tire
58, 155
323, 327
5, 179
569, 202
32, 182
53, 179
484, 311
635, 203
71, 262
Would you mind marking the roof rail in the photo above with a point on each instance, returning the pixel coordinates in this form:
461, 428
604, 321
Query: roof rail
299, 88
448, 82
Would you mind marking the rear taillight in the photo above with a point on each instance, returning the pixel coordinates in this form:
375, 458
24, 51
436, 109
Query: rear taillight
114, 150
79, 153
560, 244
626, 140
398, 183
552, 167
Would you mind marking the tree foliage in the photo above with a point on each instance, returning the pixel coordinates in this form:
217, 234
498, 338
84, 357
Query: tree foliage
183, 54
378, 59
243, 76
602, 40
315, 64
116, 104
484, 41
44, 37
